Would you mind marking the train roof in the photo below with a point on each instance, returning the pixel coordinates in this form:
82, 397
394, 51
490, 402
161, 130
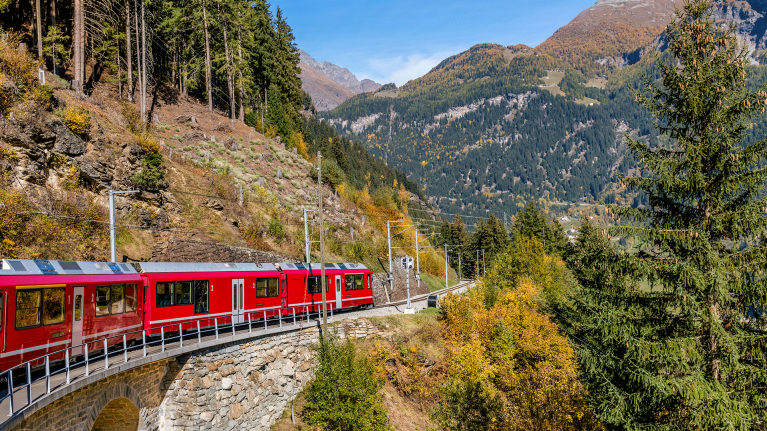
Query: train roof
62, 267
298, 266
163, 267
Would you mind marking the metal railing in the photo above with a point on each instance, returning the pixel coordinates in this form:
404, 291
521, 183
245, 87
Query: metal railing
140, 347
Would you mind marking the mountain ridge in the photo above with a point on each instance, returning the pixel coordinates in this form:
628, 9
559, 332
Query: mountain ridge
329, 84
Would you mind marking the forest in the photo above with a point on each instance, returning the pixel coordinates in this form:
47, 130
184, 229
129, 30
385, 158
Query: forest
481, 135
238, 58
668, 334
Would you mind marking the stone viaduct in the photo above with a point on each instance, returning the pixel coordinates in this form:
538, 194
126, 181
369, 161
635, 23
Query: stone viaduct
245, 382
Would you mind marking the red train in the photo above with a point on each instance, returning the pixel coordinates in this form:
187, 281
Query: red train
46, 306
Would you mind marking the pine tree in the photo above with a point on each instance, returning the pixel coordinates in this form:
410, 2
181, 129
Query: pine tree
679, 350
490, 236
530, 222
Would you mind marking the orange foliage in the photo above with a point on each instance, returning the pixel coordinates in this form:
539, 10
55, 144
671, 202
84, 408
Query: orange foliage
525, 367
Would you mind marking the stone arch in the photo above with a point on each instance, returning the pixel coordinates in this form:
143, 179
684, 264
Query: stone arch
123, 396
119, 415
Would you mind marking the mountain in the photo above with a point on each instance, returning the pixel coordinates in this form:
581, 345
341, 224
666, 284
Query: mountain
494, 127
607, 33
484, 131
325, 95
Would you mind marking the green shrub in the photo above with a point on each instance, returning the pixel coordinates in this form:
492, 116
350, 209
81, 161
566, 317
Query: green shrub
132, 118
151, 174
344, 392
276, 230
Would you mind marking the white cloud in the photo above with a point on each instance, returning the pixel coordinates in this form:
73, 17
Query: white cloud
401, 69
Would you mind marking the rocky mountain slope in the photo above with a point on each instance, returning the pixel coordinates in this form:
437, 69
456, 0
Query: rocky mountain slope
223, 188
608, 32
326, 95
497, 126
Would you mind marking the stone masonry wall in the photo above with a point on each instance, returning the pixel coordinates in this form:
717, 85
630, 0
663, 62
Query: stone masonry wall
176, 249
233, 386
244, 386
78, 411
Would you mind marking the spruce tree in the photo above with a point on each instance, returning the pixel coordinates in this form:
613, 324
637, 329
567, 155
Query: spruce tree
531, 223
678, 349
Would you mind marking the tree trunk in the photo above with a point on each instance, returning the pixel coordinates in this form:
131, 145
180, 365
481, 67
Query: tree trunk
183, 73
128, 54
208, 86
39, 30
239, 52
77, 63
138, 46
227, 55
143, 62
52, 18
119, 70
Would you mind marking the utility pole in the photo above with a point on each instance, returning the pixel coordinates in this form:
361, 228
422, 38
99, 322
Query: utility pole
476, 265
459, 261
484, 270
112, 238
445, 266
417, 262
306, 236
322, 247
388, 238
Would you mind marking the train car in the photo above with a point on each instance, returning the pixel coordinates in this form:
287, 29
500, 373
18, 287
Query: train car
347, 285
47, 306
181, 293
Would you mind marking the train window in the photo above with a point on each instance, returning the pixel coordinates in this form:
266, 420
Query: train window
130, 298
314, 284
267, 287
117, 300
201, 296
78, 307
183, 292
164, 293
53, 306
354, 281
102, 301
28, 308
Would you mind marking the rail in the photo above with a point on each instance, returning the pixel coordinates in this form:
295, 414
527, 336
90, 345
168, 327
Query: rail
28, 381
21, 382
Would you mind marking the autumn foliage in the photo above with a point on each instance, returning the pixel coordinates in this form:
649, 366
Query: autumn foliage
509, 366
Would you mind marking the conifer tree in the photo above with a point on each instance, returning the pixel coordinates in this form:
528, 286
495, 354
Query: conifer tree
531, 223
490, 236
679, 350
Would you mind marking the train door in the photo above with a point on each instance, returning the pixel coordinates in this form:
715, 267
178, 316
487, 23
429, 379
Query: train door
77, 321
2, 319
339, 294
238, 300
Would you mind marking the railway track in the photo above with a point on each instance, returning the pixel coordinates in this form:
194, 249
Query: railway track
463, 283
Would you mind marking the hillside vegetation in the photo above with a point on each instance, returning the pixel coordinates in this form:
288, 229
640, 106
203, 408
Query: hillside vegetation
200, 174
481, 135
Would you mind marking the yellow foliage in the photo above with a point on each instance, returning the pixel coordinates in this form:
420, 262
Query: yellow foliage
525, 367
72, 179
148, 143
302, 148
78, 120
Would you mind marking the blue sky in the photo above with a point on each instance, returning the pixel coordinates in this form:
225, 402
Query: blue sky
399, 40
